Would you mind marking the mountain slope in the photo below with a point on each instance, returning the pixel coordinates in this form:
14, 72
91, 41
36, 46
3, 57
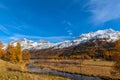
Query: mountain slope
108, 35
104, 35
87, 50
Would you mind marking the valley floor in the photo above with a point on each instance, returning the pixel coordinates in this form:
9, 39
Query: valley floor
9, 71
86, 67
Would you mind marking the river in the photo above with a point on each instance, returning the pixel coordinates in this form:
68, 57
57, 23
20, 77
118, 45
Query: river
64, 74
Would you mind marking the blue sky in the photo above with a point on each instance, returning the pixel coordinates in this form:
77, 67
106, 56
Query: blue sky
56, 20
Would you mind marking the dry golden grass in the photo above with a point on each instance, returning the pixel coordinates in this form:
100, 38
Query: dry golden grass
88, 67
9, 71
28, 76
4, 66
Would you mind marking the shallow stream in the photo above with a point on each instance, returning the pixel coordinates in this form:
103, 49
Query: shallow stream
64, 74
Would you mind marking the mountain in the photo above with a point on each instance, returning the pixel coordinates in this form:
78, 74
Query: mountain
104, 35
29, 44
108, 35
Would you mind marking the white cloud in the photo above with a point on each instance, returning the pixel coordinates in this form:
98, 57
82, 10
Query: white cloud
104, 10
4, 29
70, 32
69, 27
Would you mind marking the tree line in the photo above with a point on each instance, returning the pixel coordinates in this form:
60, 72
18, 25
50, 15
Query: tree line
94, 49
89, 50
14, 54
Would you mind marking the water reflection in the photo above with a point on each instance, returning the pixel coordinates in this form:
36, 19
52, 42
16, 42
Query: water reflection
64, 74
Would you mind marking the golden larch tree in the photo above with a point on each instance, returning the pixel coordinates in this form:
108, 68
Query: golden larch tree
11, 55
117, 57
2, 52
26, 55
18, 52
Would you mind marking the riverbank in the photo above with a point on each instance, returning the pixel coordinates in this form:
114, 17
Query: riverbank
93, 68
9, 71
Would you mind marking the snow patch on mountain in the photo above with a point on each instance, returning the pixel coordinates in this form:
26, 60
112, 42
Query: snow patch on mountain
108, 35
29, 44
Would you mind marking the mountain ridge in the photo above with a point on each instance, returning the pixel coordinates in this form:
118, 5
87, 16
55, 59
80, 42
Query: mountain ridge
104, 35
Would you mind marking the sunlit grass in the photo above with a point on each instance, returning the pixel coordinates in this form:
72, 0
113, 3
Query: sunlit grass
86, 67
9, 71
28, 76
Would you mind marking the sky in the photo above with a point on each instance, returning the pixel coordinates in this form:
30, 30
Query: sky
56, 20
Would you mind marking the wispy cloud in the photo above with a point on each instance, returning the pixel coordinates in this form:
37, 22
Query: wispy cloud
21, 27
68, 28
104, 10
4, 29
50, 38
70, 32
67, 22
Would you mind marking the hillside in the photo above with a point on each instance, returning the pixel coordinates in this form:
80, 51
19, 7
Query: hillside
88, 50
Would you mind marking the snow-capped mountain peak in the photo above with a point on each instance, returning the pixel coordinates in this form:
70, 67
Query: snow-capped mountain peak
107, 35
29, 44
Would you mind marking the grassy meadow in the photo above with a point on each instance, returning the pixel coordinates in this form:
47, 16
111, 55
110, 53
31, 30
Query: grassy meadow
86, 67
9, 71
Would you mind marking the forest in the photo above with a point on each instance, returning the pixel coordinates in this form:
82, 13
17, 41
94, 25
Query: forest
94, 49
14, 54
